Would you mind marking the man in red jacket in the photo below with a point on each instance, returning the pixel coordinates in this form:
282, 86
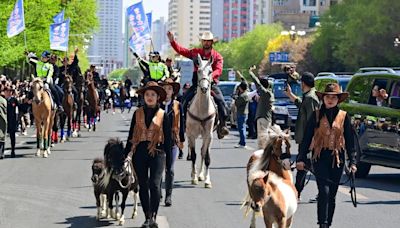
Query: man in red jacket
206, 52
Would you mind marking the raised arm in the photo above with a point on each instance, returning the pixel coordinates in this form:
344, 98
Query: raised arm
178, 48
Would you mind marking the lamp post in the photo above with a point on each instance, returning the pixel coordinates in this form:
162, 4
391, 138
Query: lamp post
396, 42
292, 33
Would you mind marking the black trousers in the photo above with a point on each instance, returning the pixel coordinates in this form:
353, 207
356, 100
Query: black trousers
12, 139
56, 95
328, 179
1, 149
149, 186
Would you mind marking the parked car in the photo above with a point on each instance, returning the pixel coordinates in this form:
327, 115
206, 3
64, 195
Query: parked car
228, 89
377, 124
322, 81
285, 112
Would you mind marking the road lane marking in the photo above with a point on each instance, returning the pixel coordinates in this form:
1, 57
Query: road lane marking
162, 222
345, 190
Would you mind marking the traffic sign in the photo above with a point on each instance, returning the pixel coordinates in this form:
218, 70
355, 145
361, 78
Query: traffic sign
231, 75
278, 57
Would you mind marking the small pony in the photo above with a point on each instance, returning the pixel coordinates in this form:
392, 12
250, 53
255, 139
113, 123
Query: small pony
270, 182
98, 172
119, 176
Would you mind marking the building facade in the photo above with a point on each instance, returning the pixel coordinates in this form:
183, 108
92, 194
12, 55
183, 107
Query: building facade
188, 19
159, 34
238, 18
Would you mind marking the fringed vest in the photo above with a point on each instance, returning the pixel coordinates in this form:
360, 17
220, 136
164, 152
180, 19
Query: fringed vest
176, 124
154, 134
329, 138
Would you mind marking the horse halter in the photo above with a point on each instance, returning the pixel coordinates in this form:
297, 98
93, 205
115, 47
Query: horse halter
208, 79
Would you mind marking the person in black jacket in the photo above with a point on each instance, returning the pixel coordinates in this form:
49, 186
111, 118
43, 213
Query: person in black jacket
331, 138
149, 146
12, 122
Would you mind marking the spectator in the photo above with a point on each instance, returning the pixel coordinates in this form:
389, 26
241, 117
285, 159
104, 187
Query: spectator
380, 96
3, 120
307, 105
242, 106
12, 122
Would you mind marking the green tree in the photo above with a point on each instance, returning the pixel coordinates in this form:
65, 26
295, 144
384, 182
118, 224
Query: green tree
248, 50
358, 33
38, 17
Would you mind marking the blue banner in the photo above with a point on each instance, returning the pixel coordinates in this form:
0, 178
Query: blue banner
149, 19
138, 22
16, 22
59, 18
59, 35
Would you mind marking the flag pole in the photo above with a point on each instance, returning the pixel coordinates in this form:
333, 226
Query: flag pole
26, 46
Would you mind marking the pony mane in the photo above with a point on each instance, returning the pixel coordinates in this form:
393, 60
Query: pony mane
270, 136
98, 160
107, 172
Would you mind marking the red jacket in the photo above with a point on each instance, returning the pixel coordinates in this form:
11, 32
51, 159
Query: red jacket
218, 61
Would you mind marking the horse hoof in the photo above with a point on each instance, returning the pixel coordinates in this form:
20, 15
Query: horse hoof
38, 153
201, 178
195, 182
118, 216
45, 155
68, 139
48, 151
121, 221
207, 185
134, 214
52, 145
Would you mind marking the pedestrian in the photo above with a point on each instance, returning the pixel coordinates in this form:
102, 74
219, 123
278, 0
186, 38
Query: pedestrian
242, 107
264, 108
253, 102
149, 147
12, 121
3, 120
175, 116
307, 105
331, 137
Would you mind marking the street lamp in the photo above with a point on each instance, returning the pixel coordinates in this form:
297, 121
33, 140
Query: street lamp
396, 42
293, 34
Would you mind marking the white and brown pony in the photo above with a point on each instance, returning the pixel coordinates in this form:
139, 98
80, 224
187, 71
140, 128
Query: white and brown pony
270, 181
44, 117
201, 116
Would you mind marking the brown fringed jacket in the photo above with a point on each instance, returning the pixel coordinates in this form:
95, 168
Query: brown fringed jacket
150, 131
175, 116
332, 132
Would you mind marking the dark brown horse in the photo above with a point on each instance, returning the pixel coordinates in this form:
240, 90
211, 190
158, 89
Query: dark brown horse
93, 102
68, 104
76, 122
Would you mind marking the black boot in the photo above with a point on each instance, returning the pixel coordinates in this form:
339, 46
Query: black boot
12, 154
153, 223
146, 223
168, 200
222, 129
180, 156
323, 226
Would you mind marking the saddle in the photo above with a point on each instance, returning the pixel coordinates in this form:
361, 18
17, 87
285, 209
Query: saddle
53, 104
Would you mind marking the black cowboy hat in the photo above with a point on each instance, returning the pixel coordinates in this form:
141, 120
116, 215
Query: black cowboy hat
151, 85
333, 89
175, 85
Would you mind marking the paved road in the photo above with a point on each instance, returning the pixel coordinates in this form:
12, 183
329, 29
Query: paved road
57, 192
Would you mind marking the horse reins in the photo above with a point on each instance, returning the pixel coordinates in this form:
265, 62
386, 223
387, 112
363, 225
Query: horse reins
202, 121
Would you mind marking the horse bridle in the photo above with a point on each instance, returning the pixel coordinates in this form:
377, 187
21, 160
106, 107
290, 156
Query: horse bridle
126, 173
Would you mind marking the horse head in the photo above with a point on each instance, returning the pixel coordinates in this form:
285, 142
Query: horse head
176, 75
97, 170
204, 74
68, 84
278, 144
37, 89
258, 189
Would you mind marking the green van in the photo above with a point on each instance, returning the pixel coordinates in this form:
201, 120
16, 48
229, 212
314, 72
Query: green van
374, 106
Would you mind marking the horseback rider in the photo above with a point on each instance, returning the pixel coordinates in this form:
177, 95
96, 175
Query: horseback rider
206, 52
153, 70
44, 70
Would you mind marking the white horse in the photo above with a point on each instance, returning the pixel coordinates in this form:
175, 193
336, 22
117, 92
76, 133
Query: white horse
201, 116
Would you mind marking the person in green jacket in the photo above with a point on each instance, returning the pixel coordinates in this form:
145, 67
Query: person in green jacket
242, 106
153, 70
307, 105
3, 121
45, 70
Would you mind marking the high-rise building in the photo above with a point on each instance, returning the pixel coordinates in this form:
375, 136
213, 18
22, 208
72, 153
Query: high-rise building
188, 19
159, 34
239, 18
105, 50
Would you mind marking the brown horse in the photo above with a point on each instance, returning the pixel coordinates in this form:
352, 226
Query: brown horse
68, 104
44, 117
98, 172
270, 181
93, 100
76, 122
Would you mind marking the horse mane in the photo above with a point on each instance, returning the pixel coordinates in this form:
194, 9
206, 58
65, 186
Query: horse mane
38, 80
107, 176
271, 135
98, 160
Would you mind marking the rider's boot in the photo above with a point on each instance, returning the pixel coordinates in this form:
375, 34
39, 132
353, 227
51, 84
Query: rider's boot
222, 129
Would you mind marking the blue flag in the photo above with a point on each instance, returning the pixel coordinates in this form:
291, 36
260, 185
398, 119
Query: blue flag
137, 20
59, 35
149, 19
16, 22
59, 18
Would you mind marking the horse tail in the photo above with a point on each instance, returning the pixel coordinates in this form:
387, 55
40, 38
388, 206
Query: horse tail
246, 202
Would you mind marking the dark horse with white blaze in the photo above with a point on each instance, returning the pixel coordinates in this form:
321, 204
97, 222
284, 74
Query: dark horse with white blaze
119, 176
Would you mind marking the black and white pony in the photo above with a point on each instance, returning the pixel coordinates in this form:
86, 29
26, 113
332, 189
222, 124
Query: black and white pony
119, 176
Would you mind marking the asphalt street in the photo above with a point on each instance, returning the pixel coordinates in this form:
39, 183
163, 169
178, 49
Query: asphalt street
57, 191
